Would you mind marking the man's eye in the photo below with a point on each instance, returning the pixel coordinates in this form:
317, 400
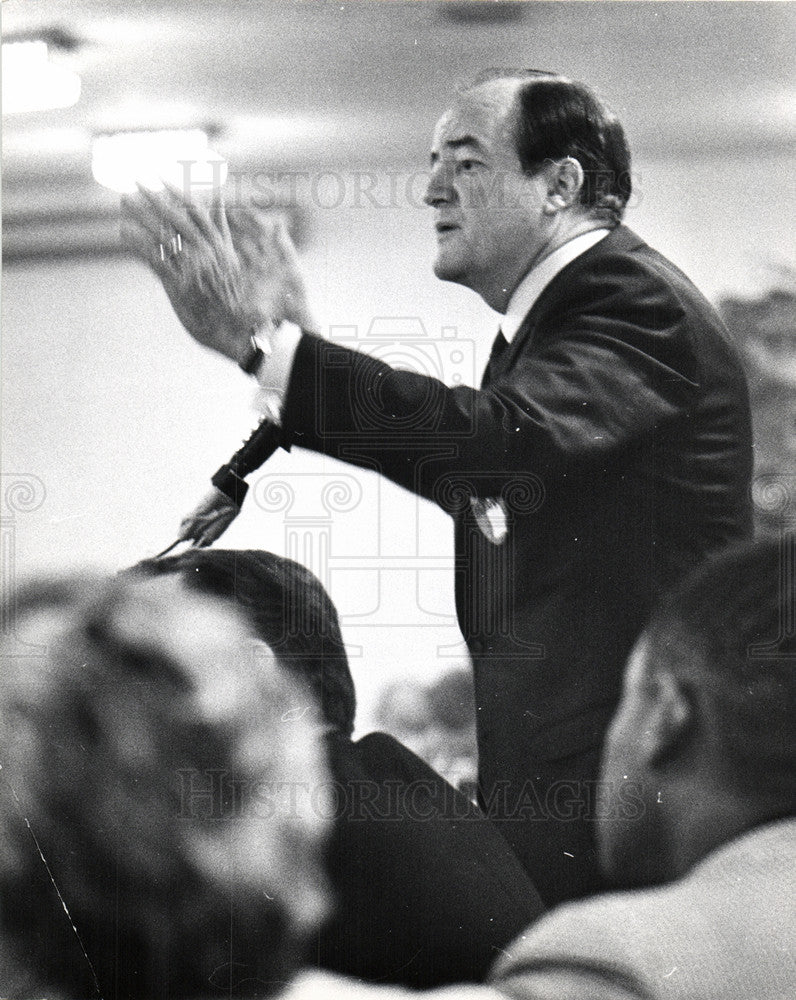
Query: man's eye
466, 165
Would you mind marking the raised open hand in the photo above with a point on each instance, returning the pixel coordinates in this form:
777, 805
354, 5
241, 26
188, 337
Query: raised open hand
224, 275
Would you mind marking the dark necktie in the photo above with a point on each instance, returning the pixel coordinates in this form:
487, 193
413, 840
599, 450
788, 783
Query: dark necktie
499, 345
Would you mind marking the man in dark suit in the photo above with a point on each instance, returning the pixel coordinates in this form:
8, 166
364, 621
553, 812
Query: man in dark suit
607, 451
697, 818
427, 891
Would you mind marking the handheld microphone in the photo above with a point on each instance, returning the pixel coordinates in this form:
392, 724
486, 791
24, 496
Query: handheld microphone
219, 508
256, 450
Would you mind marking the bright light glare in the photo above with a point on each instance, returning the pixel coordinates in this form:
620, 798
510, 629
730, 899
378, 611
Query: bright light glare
32, 83
183, 158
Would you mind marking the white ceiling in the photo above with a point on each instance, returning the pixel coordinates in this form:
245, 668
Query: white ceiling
304, 83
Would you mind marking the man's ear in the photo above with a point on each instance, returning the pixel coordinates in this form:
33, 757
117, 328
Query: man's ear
672, 719
564, 183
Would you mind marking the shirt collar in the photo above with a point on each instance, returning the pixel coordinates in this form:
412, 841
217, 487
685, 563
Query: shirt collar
539, 277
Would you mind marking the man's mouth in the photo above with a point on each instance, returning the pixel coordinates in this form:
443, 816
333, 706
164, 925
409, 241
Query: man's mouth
445, 227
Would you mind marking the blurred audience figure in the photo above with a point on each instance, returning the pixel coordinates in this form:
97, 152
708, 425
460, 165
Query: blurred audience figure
695, 816
428, 891
437, 721
153, 844
766, 333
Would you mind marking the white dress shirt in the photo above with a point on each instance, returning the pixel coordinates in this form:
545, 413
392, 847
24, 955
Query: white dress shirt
539, 277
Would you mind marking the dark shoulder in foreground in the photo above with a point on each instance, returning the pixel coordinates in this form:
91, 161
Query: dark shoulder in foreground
429, 891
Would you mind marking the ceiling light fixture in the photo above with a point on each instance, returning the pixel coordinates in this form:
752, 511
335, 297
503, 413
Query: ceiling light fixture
31, 82
181, 157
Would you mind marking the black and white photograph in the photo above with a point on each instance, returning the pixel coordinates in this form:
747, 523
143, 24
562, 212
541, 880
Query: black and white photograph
398, 500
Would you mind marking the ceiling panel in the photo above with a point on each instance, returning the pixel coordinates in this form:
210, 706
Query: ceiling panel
292, 84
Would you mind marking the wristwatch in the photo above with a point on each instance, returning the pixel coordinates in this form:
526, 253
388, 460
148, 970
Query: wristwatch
259, 346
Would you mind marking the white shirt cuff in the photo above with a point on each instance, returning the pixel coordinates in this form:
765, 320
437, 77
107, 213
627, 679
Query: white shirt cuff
274, 371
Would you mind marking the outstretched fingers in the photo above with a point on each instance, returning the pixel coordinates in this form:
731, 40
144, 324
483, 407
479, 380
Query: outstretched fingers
218, 216
200, 224
165, 211
249, 231
138, 239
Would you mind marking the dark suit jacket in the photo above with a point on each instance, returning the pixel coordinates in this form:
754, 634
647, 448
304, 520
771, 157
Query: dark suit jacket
428, 891
615, 431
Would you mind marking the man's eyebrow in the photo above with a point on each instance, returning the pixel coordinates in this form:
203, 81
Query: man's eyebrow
462, 141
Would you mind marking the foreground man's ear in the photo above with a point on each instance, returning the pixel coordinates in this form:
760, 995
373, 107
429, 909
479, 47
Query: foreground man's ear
671, 720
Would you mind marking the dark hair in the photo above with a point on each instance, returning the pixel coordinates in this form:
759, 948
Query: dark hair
289, 609
117, 840
728, 633
556, 118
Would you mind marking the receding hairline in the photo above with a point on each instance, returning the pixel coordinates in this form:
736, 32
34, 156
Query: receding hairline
503, 102
505, 84
511, 74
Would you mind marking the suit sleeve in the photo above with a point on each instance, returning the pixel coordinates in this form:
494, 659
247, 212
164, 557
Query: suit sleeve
577, 951
613, 364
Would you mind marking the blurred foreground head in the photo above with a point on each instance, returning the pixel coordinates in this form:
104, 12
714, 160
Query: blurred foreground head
701, 748
288, 608
158, 838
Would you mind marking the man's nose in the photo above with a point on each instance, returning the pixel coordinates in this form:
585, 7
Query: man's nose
439, 189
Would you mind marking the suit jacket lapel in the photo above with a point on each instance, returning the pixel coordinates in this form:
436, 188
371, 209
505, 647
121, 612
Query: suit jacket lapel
619, 239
